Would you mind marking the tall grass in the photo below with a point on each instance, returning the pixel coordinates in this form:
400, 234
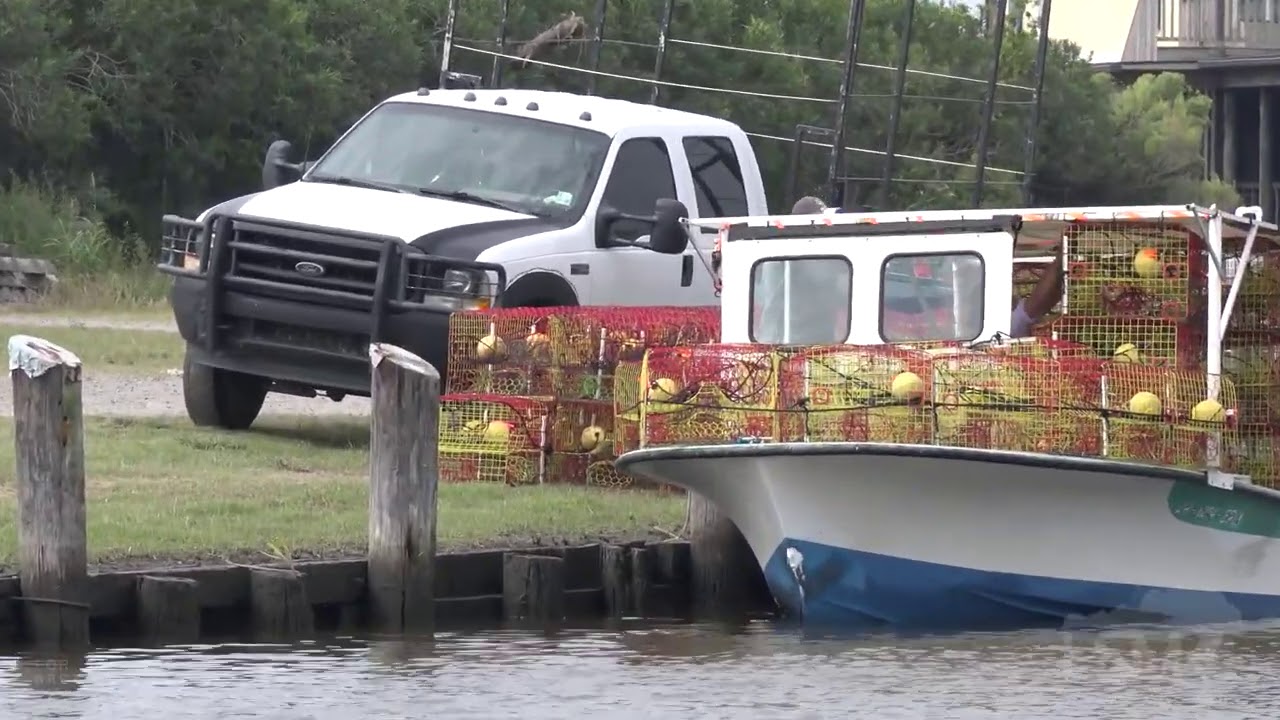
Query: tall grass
96, 270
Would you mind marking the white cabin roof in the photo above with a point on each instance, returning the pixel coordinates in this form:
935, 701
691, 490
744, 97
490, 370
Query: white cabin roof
607, 115
1040, 226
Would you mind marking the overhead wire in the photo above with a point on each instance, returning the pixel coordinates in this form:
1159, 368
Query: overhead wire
746, 93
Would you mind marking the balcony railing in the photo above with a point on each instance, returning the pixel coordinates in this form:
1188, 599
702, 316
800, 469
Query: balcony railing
1242, 24
1249, 194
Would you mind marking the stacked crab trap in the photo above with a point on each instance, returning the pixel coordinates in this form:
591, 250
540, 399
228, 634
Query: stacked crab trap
530, 390
1118, 372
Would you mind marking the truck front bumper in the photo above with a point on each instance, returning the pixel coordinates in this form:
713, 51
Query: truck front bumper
300, 304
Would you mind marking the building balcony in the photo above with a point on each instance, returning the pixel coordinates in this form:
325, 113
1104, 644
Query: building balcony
1224, 27
1168, 31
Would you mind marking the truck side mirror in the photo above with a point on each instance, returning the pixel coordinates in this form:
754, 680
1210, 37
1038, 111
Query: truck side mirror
277, 168
668, 236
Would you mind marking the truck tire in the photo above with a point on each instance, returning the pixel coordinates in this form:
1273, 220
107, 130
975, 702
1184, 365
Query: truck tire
221, 398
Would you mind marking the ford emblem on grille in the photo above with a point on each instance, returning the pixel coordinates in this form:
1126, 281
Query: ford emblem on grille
309, 269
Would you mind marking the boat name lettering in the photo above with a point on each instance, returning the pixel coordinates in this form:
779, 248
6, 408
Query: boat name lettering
1230, 517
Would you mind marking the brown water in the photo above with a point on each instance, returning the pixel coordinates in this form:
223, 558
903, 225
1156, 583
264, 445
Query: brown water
672, 673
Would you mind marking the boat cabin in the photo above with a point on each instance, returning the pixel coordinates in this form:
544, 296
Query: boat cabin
836, 280
948, 275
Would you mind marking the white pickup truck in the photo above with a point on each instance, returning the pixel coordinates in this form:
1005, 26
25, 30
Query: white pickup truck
437, 201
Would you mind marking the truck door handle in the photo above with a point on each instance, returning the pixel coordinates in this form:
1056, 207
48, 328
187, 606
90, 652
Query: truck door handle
686, 270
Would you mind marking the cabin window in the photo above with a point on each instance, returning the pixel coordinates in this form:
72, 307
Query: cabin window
932, 297
717, 178
801, 300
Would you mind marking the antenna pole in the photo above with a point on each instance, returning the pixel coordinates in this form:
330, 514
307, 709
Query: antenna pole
1033, 124
989, 107
835, 165
895, 113
450, 21
664, 29
597, 39
503, 12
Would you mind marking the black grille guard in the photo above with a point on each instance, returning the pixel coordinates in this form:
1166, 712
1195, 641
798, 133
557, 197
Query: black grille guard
352, 270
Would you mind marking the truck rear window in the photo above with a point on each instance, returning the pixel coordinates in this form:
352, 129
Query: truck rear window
717, 177
801, 300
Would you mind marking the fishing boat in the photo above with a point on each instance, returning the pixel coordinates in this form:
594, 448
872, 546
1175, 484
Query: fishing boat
1116, 465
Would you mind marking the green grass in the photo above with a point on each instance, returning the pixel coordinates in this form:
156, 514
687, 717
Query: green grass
106, 350
161, 490
137, 291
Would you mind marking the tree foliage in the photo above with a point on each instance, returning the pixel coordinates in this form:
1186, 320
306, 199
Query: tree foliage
151, 106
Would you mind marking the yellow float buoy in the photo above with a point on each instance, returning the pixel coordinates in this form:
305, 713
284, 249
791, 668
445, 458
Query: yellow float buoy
1210, 411
1126, 353
1145, 403
1146, 263
907, 386
491, 348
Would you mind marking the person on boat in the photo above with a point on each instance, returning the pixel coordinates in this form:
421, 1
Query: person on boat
1031, 309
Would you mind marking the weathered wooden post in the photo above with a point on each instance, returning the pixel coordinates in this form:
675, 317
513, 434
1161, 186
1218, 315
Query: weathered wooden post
403, 472
48, 434
533, 589
721, 563
168, 609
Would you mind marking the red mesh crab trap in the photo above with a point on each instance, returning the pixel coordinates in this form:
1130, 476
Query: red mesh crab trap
1134, 270
870, 393
494, 438
501, 351
1141, 341
583, 426
1166, 416
1027, 404
590, 342
697, 394
605, 336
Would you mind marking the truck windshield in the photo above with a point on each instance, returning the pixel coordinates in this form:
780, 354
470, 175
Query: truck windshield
524, 164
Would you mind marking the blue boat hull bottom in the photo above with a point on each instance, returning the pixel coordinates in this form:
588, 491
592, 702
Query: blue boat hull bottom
850, 589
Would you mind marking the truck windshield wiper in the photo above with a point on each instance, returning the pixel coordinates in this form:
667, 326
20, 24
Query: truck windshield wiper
464, 196
356, 182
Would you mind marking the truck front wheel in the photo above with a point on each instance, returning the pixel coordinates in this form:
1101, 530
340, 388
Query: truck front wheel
221, 398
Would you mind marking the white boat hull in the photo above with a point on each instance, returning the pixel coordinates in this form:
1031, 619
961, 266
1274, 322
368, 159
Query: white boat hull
905, 536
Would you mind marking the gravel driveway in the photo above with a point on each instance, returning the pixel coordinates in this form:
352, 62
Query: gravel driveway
160, 394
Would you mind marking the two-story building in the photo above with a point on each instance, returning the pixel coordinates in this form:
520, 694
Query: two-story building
1229, 49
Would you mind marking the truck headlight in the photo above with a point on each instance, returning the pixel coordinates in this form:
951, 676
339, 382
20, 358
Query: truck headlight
460, 282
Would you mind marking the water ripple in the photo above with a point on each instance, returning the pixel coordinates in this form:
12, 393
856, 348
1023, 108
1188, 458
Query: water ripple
697, 671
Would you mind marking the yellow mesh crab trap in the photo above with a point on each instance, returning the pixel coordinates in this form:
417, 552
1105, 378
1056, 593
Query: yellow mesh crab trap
494, 438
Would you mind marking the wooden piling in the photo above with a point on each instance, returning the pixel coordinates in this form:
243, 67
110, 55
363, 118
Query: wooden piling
48, 431
615, 579
403, 473
279, 604
721, 563
533, 588
168, 609
641, 581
